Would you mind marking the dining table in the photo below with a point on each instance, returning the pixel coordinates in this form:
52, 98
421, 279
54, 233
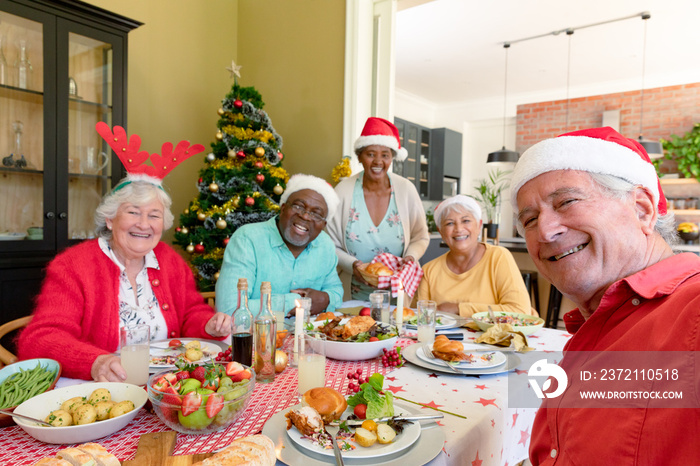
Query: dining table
479, 428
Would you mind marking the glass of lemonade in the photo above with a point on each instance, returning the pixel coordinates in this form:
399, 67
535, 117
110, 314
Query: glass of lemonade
386, 310
427, 311
312, 361
134, 348
278, 310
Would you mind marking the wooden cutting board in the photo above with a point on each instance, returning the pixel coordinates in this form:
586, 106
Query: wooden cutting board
156, 448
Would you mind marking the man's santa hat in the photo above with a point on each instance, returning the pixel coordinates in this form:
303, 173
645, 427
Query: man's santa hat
301, 181
595, 150
378, 131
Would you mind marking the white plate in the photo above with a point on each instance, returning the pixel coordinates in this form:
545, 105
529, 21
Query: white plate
41, 405
353, 350
482, 359
428, 446
405, 439
160, 348
409, 353
12, 236
447, 322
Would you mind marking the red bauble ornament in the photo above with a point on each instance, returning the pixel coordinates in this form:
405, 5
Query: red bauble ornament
237, 103
200, 181
260, 177
177, 229
249, 201
240, 154
280, 155
226, 241
258, 164
199, 248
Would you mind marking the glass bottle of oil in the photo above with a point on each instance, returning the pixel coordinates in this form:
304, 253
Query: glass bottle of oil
265, 336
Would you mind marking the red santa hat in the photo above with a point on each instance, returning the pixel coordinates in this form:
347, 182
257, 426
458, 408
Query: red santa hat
595, 150
378, 131
301, 181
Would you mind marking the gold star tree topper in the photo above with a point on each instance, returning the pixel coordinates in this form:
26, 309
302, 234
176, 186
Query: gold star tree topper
235, 70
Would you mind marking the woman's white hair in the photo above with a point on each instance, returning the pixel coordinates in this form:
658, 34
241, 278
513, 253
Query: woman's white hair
461, 203
138, 193
617, 188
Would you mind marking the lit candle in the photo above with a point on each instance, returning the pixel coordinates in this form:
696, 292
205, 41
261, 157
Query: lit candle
399, 308
298, 328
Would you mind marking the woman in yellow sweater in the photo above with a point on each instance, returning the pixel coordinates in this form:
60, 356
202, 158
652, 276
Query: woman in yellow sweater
472, 275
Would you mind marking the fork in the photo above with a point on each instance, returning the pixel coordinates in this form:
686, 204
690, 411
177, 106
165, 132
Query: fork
336, 450
428, 352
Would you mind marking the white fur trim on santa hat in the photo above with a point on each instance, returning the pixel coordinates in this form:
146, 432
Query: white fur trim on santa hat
300, 181
587, 154
382, 140
468, 203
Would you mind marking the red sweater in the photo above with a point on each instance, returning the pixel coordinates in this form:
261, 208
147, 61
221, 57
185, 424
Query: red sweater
76, 317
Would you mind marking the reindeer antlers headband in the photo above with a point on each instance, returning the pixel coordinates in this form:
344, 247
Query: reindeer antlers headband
127, 149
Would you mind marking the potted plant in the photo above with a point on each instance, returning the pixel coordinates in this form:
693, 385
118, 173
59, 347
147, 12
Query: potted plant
488, 194
685, 151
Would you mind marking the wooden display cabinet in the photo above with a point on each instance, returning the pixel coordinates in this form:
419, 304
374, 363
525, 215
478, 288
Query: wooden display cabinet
63, 68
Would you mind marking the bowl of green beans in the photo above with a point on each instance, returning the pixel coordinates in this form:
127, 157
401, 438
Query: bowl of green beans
23, 380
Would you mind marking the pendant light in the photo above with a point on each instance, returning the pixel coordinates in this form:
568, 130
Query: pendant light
653, 148
504, 155
569, 32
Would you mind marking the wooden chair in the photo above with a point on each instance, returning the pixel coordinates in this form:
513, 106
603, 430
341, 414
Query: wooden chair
210, 296
7, 357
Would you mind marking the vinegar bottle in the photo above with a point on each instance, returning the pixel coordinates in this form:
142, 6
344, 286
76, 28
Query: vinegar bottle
265, 337
242, 327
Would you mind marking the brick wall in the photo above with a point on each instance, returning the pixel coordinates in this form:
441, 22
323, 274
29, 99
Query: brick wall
667, 110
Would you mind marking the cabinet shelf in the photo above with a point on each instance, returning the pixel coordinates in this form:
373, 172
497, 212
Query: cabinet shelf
26, 171
21, 90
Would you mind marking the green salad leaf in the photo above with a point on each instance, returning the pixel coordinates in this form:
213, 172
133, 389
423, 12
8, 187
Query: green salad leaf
370, 394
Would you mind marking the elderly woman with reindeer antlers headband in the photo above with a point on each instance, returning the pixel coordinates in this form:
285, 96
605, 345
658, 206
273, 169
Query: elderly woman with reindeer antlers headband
124, 277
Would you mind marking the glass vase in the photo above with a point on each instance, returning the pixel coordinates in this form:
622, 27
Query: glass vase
24, 67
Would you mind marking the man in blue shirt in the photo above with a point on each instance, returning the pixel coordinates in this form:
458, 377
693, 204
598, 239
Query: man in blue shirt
290, 250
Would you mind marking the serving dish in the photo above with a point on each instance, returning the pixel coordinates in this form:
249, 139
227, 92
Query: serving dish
41, 405
29, 364
161, 351
12, 236
355, 351
427, 447
404, 440
483, 320
409, 353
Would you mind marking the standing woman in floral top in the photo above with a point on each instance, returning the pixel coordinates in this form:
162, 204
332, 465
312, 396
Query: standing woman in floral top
379, 211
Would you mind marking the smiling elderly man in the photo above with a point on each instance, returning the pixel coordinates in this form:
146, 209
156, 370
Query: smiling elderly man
594, 218
290, 250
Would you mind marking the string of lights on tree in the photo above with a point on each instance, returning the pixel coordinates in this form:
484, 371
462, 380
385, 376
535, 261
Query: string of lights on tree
241, 183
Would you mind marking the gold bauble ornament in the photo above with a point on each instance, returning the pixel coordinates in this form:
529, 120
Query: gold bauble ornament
278, 190
184, 230
221, 224
190, 248
220, 111
216, 276
213, 187
186, 211
259, 151
231, 153
236, 203
201, 216
219, 135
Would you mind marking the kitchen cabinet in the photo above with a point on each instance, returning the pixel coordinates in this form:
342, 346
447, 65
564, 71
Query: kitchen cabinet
416, 168
447, 155
63, 68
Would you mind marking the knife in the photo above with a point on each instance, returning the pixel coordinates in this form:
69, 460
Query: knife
338, 455
358, 422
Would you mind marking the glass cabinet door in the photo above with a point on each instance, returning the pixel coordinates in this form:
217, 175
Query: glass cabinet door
22, 188
90, 82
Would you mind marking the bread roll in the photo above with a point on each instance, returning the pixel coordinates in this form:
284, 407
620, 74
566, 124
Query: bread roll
325, 316
449, 350
329, 403
52, 462
254, 450
379, 270
407, 313
75, 457
100, 454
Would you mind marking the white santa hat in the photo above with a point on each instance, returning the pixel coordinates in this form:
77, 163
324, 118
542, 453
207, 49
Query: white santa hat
595, 150
300, 181
378, 131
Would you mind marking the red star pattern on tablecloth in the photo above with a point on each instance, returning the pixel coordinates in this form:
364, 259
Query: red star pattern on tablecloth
433, 374
484, 402
395, 389
515, 418
480, 387
524, 436
477, 461
391, 379
432, 405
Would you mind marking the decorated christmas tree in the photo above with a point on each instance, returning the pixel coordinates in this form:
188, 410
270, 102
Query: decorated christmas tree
241, 182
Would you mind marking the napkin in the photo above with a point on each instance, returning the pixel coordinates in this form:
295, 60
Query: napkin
407, 273
505, 335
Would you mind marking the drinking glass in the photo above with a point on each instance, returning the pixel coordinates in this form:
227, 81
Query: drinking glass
305, 303
427, 311
278, 310
386, 311
311, 361
134, 348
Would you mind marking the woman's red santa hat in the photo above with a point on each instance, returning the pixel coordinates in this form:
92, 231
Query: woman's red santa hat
595, 150
381, 132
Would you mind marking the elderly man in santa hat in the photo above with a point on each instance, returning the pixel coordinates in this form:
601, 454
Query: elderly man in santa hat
594, 218
290, 250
